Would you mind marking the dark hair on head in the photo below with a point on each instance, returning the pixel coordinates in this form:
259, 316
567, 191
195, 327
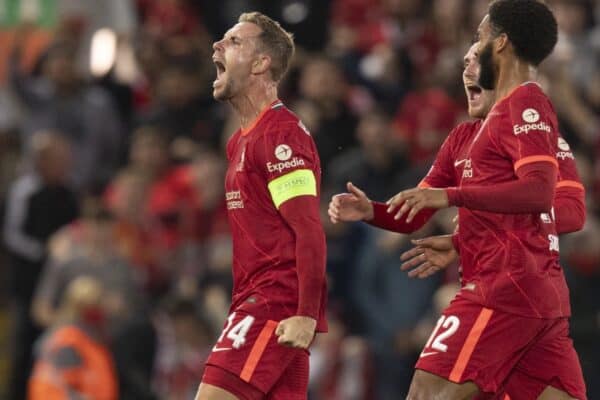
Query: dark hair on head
274, 40
529, 25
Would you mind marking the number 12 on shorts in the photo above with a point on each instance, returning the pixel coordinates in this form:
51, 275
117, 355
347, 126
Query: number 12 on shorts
436, 342
237, 333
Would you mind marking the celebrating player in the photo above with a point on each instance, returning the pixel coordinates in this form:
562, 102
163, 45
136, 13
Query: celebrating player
272, 193
502, 177
435, 253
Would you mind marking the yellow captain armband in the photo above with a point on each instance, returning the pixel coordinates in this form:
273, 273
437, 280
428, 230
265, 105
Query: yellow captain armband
300, 182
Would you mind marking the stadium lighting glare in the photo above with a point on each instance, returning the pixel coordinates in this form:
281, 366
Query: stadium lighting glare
103, 51
295, 12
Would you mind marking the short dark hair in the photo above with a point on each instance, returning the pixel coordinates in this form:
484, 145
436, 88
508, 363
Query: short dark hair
274, 40
529, 25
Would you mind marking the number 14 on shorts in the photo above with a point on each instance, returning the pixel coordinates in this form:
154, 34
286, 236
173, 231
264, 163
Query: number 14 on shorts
237, 333
449, 325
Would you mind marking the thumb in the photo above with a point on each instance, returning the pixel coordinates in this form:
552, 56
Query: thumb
280, 329
354, 190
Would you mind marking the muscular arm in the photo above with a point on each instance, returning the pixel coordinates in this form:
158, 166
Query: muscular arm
532, 192
302, 215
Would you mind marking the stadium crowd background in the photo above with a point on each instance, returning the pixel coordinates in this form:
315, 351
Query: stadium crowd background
128, 84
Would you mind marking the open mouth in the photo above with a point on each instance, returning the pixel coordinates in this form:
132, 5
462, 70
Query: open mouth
220, 67
474, 92
220, 70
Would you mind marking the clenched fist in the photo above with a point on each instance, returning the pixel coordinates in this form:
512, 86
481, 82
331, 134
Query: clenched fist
297, 331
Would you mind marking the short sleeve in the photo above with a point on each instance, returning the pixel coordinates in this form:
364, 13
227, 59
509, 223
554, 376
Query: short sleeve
533, 134
441, 174
286, 156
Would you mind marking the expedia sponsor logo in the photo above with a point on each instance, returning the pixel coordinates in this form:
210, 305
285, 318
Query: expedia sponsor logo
563, 145
542, 126
563, 155
282, 166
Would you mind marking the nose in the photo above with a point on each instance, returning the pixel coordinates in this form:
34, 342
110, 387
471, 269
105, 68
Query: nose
217, 45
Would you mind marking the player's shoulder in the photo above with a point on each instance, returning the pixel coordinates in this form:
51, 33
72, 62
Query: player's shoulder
528, 93
464, 130
467, 126
283, 122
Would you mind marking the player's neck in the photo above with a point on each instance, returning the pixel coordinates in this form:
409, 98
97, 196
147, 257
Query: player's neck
511, 75
250, 104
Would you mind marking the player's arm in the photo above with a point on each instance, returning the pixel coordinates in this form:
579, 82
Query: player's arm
528, 139
355, 206
294, 192
569, 200
569, 207
531, 192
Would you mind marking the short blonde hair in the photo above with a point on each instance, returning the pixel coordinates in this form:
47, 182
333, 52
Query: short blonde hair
274, 40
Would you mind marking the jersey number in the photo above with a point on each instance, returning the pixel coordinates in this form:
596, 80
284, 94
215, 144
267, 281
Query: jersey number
237, 333
451, 324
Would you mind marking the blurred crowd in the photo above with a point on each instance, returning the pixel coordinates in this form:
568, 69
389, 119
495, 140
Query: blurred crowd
114, 226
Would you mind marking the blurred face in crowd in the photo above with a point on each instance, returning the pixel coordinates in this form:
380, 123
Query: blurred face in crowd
149, 153
570, 16
234, 56
480, 101
321, 79
60, 67
53, 157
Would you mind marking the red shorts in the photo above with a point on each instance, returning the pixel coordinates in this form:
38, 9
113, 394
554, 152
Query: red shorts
502, 353
247, 359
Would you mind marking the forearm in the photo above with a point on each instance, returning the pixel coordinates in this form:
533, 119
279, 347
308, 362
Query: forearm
384, 220
532, 192
569, 209
310, 252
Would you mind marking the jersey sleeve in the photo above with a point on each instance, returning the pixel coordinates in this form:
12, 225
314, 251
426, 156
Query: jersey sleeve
533, 133
569, 198
441, 174
288, 160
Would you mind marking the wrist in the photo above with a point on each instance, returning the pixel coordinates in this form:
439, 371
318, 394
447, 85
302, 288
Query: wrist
454, 196
369, 213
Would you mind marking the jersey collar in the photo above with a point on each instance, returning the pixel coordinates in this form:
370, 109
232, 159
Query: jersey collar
276, 104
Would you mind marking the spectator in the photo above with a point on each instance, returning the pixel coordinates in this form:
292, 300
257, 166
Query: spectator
58, 99
73, 360
38, 204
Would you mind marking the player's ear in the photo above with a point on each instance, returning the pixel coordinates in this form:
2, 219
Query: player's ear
501, 42
261, 64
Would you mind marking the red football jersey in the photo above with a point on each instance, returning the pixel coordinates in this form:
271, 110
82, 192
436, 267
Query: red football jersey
509, 261
270, 164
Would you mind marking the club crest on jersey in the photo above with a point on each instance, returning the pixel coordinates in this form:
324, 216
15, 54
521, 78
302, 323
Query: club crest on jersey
530, 115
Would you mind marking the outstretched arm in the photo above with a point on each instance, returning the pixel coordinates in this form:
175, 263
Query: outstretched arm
356, 206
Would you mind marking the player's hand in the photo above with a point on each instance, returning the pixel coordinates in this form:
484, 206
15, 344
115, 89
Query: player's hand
351, 206
429, 256
412, 201
297, 331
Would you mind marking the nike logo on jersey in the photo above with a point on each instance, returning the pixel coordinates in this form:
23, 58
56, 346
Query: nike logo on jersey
459, 162
218, 349
427, 354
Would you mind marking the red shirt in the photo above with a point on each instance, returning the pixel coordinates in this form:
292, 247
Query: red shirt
509, 261
272, 193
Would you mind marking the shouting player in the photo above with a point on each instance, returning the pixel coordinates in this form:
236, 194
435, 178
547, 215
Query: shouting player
272, 193
437, 252
514, 295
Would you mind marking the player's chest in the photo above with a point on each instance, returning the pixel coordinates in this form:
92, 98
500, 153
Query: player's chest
479, 160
